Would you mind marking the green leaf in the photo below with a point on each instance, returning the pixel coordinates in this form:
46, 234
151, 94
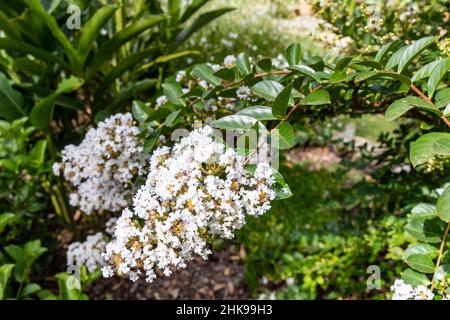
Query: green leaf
140, 111
193, 7
437, 75
120, 38
340, 76
5, 274
383, 74
400, 107
281, 102
55, 29
206, 73
5, 219
423, 249
442, 98
265, 64
14, 45
443, 205
282, 189
425, 71
413, 50
172, 90
415, 278
442, 147
422, 149
198, 23
12, 104
91, 30
260, 113
30, 289
37, 154
283, 137
294, 54
171, 118
425, 230
226, 74
424, 210
397, 109
420, 262
381, 54
395, 58
42, 113
67, 288
316, 98
307, 71
243, 64
239, 122
268, 89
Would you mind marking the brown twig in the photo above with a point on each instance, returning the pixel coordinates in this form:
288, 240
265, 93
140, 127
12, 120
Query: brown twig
441, 252
424, 97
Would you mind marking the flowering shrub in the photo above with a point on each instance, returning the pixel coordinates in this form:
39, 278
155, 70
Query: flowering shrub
194, 191
105, 166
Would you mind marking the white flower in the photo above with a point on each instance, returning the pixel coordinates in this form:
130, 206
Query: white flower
87, 253
230, 61
195, 190
56, 168
203, 84
181, 75
103, 168
243, 92
404, 291
160, 101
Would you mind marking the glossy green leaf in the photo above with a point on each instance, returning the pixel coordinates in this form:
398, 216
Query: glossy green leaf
140, 111
415, 278
422, 149
206, 73
318, 97
425, 230
260, 113
437, 74
239, 122
243, 64
424, 210
281, 102
425, 71
283, 137
421, 248
420, 262
268, 89
443, 205
294, 54
413, 50
384, 74
307, 71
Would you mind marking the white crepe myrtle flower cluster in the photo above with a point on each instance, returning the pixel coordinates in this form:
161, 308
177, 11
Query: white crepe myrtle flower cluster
88, 253
102, 169
195, 191
404, 291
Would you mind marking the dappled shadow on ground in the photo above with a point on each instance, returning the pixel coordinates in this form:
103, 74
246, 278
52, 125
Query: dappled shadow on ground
220, 277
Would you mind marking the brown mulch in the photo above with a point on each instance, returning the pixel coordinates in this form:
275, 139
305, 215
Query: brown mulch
220, 277
316, 157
